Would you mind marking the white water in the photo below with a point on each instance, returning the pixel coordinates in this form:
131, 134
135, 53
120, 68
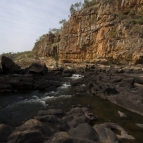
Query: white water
41, 100
16, 107
76, 76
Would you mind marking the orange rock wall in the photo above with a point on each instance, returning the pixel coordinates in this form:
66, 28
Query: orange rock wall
99, 33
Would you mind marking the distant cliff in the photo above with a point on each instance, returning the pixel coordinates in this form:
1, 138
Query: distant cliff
111, 30
47, 45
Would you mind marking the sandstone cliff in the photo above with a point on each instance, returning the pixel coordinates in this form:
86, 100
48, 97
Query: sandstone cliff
47, 45
111, 30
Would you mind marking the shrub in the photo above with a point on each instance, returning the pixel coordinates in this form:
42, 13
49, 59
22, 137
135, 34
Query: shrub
112, 33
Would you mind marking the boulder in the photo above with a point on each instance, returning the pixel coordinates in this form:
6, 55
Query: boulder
106, 133
64, 137
140, 125
84, 131
9, 67
5, 131
5, 86
21, 82
68, 72
32, 131
61, 137
38, 68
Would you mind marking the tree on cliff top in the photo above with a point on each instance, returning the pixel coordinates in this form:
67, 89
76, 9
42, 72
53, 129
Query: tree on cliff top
75, 7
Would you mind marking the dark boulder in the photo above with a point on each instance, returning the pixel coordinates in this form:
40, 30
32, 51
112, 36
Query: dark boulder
5, 131
38, 68
5, 86
21, 82
9, 67
68, 72
32, 131
84, 131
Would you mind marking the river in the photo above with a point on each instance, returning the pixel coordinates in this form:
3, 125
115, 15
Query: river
17, 108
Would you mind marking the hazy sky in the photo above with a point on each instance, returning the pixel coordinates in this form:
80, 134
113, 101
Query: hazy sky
24, 21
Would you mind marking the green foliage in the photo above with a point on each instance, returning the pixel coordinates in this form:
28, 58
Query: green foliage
86, 3
56, 57
122, 16
75, 7
63, 21
137, 29
54, 30
112, 33
140, 12
139, 20
41, 37
72, 9
93, 20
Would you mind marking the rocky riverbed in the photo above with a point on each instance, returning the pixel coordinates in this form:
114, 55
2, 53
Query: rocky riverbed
63, 105
52, 126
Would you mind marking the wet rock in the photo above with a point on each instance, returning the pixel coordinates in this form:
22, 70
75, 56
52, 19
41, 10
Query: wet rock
129, 82
21, 82
72, 71
5, 86
30, 132
78, 120
56, 112
106, 133
84, 131
116, 80
122, 115
68, 72
5, 131
139, 80
61, 137
77, 82
9, 67
110, 90
38, 68
1, 71
120, 71
90, 116
140, 125
64, 137
75, 112
42, 85
79, 89
46, 118
26, 137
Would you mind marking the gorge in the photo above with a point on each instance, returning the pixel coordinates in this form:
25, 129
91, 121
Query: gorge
82, 84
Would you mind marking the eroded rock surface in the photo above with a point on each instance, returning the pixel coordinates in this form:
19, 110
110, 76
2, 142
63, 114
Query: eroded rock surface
121, 88
52, 126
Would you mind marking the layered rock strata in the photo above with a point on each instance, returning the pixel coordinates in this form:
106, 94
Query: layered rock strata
111, 30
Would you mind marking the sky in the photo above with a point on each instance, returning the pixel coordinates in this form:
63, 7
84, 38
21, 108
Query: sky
24, 21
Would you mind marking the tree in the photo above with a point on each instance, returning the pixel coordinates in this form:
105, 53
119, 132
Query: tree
63, 21
54, 30
86, 3
77, 5
72, 9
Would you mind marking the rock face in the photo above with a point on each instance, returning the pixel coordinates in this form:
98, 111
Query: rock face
104, 31
47, 45
110, 31
8, 66
37, 68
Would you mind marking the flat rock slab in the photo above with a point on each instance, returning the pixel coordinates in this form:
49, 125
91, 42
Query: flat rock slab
107, 135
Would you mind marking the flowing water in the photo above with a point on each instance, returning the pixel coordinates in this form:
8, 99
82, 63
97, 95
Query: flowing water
17, 108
